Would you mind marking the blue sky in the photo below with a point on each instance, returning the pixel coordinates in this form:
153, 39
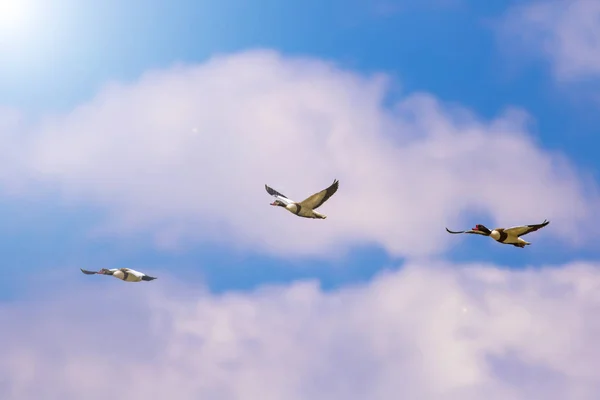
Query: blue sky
141, 134
450, 50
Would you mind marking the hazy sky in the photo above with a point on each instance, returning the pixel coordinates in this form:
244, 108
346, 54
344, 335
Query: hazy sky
141, 134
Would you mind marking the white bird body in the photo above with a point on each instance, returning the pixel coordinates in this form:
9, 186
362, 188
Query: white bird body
127, 274
124, 274
305, 208
304, 212
510, 238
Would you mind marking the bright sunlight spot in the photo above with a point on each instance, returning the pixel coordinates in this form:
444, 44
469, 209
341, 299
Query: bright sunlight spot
13, 15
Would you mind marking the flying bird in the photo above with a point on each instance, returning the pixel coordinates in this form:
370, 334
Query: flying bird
306, 208
508, 235
124, 274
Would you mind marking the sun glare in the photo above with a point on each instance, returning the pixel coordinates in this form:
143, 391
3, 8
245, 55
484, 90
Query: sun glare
13, 15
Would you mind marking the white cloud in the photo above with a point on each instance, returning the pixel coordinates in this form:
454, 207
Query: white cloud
185, 153
528, 334
566, 32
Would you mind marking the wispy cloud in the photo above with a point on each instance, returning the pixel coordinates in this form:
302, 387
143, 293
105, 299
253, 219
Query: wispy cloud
567, 33
426, 332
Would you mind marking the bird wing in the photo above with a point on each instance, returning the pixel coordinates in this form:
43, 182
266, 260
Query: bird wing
469, 231
279, 196
525, 229
88, 272
136, 273
274, 192
316, 200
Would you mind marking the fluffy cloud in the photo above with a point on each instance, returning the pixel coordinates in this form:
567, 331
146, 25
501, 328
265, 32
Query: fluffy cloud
567, 32
425, 332
185, 153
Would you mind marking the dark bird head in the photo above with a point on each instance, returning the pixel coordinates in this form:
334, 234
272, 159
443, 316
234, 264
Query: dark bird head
105, 271
278, 203
482, 228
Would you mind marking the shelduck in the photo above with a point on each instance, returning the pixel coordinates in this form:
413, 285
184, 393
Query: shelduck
306, 208
124, 274
506, 235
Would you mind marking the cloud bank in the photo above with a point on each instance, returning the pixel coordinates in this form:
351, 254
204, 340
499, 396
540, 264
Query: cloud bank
429, 331
184, 154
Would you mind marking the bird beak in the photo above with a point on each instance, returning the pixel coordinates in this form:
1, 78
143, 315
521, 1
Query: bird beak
273, 203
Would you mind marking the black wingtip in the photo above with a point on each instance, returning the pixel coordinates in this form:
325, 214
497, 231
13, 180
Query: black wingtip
333, 188
148, 278
88, 272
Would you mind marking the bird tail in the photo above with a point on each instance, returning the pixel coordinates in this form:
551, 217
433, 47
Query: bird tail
148, 278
